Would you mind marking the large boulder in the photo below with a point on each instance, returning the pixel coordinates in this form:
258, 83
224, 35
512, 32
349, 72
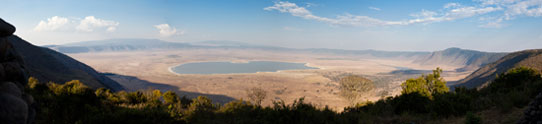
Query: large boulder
6, 29
16, 107
533, 113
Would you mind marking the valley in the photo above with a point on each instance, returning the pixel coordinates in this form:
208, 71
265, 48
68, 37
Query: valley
271, 62
318, 86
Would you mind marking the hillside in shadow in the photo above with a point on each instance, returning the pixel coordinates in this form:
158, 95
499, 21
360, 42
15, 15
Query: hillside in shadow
131, 83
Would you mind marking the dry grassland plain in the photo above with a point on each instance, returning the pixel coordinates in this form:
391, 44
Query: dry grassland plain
315, 85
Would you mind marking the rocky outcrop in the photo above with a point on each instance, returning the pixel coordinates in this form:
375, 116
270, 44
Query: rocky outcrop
6, 29
49, 65
533, 114
16, 107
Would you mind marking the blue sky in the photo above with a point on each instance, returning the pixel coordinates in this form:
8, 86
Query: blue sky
401, 25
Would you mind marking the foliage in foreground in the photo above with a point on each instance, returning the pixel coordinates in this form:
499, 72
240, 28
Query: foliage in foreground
73, 102
423, 99
513, 89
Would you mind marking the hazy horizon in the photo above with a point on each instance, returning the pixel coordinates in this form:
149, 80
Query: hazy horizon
484, 25
226, 43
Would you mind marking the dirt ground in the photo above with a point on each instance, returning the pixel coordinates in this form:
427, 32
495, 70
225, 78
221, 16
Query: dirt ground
314, 85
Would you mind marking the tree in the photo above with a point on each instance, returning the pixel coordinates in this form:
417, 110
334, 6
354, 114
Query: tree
170, 97
236, 106
256, 95
35, 86
155, 95
74, 87
200, 110
135, 97
201, 103
426, 85
472, 119
353, 86
32, 82
101, 92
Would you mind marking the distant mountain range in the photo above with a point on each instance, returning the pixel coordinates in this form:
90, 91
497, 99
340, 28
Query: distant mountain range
117, 45
484, 75
49, 65
469, 59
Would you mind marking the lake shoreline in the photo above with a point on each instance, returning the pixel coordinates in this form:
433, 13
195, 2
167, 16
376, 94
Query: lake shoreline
272, 66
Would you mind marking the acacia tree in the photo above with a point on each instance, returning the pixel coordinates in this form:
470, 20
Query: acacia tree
426, 85
353, 86
256, 95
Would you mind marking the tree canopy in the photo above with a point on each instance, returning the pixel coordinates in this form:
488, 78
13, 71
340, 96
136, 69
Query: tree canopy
426, 85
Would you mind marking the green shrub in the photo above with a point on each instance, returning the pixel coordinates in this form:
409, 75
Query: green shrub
422, 99
200, 110
411, 103
170, 97
451, 104
135, 97
425, 85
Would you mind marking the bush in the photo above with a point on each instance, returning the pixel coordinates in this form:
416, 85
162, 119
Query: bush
451, 104
472, 119
238, 106
520, 78
411, 103
135, 97
170, 97
426, 85
422, 99
200, 110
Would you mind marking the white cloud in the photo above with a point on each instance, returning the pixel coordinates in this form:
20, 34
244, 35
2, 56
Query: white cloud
496, 2
374, 8
310, 5
354, 20
89, 23
458, 12
503, 9
464, 12
343, 20
167, 31
424, 14
512, 9
52, 24
527, 8
491, 22
451, 5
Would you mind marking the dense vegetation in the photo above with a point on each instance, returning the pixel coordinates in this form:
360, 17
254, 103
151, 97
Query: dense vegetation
428, 98
423, 99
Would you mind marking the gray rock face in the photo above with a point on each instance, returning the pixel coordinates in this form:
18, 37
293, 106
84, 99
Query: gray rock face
533, 114
11, 89
14, 110
16, 107
45, 64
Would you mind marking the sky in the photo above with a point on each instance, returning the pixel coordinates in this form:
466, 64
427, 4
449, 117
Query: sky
391, 25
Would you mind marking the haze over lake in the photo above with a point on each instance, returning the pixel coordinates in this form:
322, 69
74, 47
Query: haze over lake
231, 68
